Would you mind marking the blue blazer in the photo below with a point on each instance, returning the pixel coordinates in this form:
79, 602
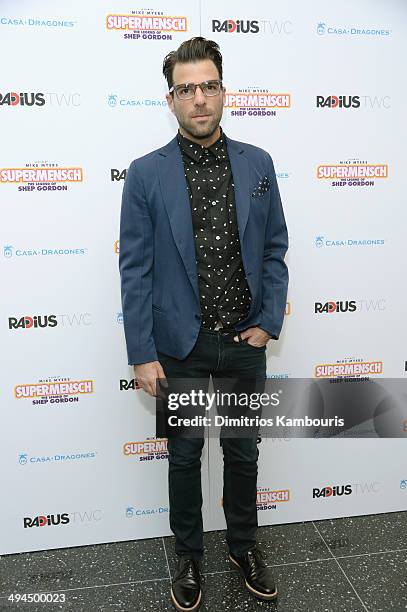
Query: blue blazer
159, 280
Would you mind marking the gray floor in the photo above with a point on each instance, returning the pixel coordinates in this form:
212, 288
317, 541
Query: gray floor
351, 565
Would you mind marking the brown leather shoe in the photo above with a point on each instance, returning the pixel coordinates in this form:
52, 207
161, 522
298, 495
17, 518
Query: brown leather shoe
186, 591
258, 577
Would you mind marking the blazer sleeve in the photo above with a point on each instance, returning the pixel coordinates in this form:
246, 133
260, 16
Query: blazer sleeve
275, 271
136, 269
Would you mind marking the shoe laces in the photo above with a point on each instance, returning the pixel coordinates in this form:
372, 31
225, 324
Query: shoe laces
257, 555
186, 568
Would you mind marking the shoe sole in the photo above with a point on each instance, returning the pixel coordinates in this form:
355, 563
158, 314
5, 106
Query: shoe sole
181, 609
251, 589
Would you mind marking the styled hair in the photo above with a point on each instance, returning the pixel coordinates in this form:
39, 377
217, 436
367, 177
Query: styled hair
192, 50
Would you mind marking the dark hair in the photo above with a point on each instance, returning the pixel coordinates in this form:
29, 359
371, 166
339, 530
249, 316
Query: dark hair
192, 50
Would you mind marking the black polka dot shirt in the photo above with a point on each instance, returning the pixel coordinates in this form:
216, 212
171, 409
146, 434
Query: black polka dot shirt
223, 288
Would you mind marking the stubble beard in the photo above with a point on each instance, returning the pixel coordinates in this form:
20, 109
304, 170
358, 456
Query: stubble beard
201, 132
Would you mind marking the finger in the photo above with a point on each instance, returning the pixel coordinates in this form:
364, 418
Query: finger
241, 336
151, 389
144, 385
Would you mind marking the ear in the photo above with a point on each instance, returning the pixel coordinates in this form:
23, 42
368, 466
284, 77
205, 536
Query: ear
170, 102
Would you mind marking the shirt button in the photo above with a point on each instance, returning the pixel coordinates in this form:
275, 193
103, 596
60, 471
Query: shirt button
217, 237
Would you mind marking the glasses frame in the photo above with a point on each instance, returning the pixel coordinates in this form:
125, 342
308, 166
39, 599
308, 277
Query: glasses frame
176, 88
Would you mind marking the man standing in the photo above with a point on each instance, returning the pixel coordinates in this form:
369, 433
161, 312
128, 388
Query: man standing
204, 285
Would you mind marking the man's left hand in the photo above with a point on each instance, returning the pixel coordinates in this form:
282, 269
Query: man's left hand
254, 336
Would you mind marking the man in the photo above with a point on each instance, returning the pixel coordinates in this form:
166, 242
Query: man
204, 285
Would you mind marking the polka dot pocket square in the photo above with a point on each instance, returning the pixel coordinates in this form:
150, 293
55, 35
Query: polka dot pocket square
261, 188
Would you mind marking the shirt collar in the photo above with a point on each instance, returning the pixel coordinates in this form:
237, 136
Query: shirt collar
195, 151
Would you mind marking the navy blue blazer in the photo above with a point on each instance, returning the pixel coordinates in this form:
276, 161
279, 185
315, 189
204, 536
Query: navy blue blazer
159, 281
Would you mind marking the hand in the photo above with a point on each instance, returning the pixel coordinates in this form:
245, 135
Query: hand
146, 375
254, 336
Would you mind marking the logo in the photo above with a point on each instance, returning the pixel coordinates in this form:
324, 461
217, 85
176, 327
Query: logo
8, 252
119, 318
75, 319
366, 305
267, 498
151, 25
50, 98
363, 488
22, 99
332, 491
38, 23
352, 173
330, 307
256, 102
46, 520
117, 175
116, 246
24, 458
62, 99
27, 322
321, 241
369, 102
338, 101
54, 390
41, 176
132, 512
147, 450
322, 29
288, 308
351, 368
279, 375
333, 544
125, 385
283, 175
403, 484
239, 26
113, 100
252, 26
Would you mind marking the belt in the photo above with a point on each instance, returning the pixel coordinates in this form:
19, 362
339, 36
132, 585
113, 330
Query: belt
221, 331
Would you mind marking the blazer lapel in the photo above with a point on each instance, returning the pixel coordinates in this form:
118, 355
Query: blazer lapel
175, 195
240, 171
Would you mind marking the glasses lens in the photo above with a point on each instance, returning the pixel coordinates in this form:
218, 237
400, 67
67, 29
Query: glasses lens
211, 88
184, 92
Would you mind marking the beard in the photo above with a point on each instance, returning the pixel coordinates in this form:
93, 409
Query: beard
204, 131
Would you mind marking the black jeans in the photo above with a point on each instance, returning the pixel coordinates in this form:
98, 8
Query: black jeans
216, 354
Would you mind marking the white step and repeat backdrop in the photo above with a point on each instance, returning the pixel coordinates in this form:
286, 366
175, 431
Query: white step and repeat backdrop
321, 86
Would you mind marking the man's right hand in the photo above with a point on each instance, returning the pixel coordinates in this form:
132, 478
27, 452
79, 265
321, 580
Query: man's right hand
146, 375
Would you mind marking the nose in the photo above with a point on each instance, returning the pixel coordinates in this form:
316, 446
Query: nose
199, 98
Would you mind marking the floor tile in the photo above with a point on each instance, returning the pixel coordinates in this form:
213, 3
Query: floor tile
380, 580
365, 534
84, 565
291, 543
317, 586
151, 596
281, 543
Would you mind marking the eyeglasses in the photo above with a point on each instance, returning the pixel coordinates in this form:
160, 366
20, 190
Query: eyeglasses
186, 91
